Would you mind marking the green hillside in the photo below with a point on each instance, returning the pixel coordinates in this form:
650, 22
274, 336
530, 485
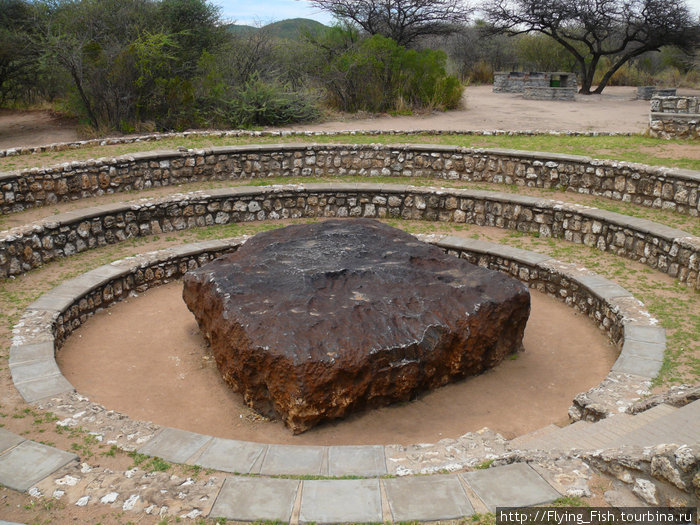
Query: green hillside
290, 29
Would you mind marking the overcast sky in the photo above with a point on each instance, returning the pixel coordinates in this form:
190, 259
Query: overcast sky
251, 12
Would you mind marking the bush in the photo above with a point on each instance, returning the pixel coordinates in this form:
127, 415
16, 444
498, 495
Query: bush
480, 73
376, 74
261, 103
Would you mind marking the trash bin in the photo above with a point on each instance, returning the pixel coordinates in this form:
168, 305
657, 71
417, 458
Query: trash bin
555, 82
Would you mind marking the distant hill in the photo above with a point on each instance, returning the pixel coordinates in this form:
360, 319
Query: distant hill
290, 29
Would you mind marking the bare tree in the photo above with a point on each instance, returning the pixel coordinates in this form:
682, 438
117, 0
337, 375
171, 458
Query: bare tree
592, 29
402, 20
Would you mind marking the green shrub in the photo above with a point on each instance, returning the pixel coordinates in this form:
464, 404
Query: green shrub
261, 103
376, 74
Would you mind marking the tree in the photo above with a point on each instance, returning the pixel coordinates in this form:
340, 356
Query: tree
18, 54
592, 29
404, 21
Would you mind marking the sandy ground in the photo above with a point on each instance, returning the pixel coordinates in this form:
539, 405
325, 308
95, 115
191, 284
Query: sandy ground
34, 128
123, 359
615, 110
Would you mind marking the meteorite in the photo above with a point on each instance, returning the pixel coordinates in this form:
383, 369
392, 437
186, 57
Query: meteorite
313, 322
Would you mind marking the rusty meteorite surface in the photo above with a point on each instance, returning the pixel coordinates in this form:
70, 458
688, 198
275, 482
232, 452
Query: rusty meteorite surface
313, 322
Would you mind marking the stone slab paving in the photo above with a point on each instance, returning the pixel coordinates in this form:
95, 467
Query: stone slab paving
175, 445
427, 498
337, 501
8, 440
20, 354
28, 371
295, 460
367, 461
28, 463
637, 365
256, 499
43, 387
514, 485
230, 455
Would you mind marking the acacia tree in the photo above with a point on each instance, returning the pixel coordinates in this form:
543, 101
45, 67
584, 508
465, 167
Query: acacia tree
593, 29
404, 21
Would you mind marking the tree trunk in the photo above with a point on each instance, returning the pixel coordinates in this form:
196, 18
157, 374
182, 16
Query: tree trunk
83, 96
588, 75
610, 72
586, 80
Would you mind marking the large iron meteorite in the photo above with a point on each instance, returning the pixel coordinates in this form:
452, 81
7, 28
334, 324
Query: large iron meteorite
313, 322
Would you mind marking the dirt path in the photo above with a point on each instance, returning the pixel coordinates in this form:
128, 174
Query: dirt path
615, 110
34, 128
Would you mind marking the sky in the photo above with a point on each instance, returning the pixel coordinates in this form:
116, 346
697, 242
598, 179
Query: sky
253, 12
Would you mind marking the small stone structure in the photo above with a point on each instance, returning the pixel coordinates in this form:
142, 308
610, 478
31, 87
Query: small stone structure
313, 322
647, 92
674, 117
537, 85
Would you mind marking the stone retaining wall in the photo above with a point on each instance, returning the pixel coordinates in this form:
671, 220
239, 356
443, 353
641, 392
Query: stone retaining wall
666, 249
648, 186
549, 93
674, 117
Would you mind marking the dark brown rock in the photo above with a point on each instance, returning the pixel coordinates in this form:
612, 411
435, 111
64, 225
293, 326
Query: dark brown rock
313, 322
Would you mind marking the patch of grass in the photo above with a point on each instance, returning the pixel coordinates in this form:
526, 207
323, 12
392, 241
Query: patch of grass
112, 452
569, 501
157, 464
635, 148
137, 458
149, 463
488, 518
484, 464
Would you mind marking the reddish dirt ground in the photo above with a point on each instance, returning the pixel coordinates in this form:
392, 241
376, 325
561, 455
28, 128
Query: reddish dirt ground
145, 357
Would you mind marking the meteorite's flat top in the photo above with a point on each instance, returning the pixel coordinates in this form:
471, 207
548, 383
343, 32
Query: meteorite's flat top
365, 283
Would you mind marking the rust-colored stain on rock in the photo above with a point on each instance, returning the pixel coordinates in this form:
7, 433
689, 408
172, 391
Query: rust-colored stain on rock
313, 322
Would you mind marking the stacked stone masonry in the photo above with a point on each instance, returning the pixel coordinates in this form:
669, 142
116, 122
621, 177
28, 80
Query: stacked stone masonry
674, 117
653, 187
647, 92
666, 249
518, 82
549, 93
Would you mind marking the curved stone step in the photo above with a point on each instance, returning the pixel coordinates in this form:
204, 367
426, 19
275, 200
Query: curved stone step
680, 425
660, 424
523, 442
